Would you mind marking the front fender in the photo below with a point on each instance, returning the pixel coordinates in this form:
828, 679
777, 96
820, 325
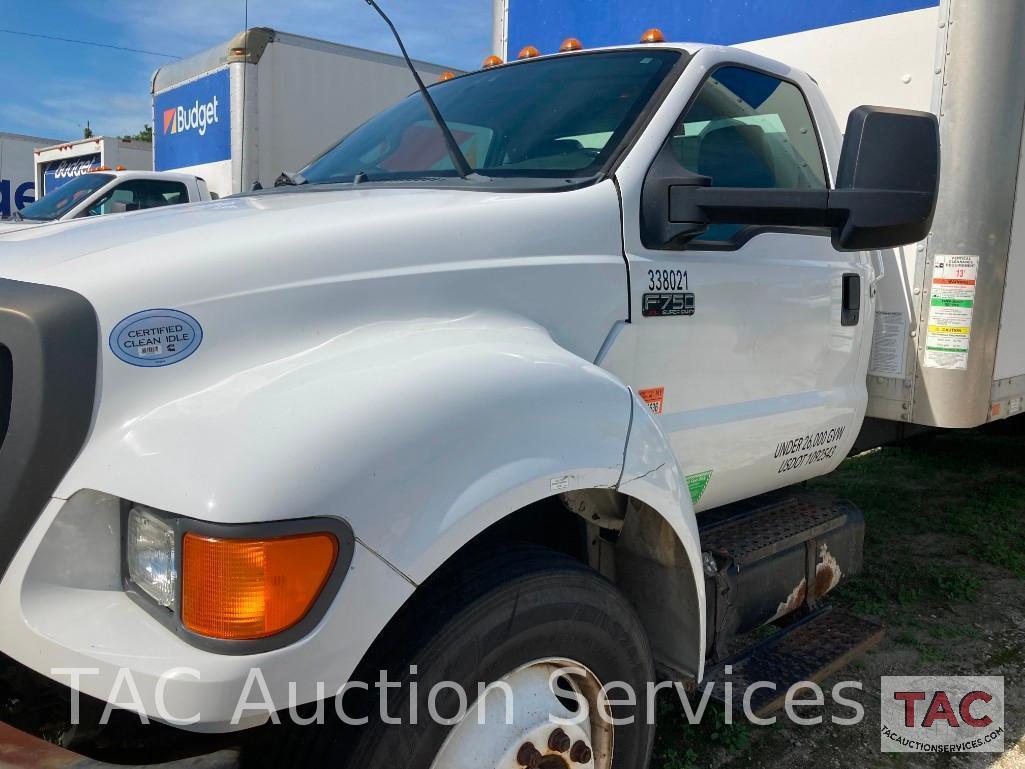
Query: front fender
420, 434
658, 557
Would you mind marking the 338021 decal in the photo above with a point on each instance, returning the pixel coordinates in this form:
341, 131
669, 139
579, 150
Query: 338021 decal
668, 280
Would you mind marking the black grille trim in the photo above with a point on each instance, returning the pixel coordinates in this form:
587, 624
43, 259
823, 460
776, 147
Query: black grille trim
52, 339
6, 382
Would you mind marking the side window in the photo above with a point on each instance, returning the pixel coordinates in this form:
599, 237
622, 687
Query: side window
748, 129
137, 194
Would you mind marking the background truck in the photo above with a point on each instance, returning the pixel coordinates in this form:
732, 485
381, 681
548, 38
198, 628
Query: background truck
58, 164
100, 192
948, 349
541, 423
17, 171
265, 102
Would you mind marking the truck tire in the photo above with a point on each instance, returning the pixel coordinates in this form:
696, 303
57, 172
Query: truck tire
516, 616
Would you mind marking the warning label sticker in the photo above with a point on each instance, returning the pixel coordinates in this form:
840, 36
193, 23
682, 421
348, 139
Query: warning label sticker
654, 397
951, 304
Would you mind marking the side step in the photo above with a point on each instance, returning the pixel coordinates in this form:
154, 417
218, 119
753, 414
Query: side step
771, 556
811, 649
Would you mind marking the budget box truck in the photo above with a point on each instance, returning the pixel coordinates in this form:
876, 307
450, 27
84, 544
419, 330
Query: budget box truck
17, 171
58, 164
949, 347
267, 102
514, 402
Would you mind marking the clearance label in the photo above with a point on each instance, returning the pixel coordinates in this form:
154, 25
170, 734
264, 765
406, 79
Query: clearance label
951, 304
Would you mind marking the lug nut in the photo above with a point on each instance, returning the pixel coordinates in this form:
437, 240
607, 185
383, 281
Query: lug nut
529, 756
580, 754
559, 741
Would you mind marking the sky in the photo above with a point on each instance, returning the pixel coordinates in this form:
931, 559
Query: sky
50, 88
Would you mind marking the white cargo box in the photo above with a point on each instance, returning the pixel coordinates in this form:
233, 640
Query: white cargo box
60, 163
18, 171
266, 102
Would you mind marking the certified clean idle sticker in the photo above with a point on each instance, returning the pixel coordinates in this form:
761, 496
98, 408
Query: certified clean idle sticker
153, 338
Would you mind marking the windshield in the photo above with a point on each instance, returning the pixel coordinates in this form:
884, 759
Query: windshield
561, 117
65, 197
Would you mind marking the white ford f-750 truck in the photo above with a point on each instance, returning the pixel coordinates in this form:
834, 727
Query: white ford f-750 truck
508, 412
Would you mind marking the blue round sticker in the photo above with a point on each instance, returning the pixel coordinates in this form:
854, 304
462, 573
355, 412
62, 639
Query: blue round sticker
154, 338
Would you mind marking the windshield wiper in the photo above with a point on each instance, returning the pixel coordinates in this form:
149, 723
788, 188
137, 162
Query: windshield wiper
455, 154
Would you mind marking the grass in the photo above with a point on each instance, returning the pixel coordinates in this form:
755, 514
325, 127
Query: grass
945, 518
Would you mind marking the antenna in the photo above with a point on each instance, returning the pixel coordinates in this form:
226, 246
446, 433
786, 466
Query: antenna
456, 154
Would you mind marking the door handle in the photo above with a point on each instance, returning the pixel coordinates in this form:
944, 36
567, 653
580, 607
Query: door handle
850, 311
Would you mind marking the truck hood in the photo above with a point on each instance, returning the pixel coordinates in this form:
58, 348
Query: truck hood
244, 234
336, 290
343, 256
10, 225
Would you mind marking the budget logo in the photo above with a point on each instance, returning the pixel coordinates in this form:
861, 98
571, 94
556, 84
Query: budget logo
192, 123
942, 714
197, 117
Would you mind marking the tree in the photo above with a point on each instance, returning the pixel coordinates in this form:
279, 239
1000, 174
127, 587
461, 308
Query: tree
145, 135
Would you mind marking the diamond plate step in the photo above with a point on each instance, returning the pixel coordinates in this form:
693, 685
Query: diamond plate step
809, 650
749, 533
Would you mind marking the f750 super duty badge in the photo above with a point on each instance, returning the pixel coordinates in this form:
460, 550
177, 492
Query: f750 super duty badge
668, 295
667, 304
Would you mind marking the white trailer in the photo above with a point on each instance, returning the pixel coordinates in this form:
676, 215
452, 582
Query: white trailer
265, 102
17, 171
58, 164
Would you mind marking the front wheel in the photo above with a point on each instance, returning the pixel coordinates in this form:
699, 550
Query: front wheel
533, 640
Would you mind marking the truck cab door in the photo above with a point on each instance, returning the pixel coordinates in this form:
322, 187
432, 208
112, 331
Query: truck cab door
745, 341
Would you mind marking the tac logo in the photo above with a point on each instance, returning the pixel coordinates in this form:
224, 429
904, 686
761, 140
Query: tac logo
198, 117
942, 714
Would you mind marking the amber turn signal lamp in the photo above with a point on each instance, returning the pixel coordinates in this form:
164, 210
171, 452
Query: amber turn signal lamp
492, 61
446, 76
653, 36
239, 589
528, 52
570, 44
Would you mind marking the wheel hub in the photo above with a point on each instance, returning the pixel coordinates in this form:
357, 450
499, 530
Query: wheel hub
547, 729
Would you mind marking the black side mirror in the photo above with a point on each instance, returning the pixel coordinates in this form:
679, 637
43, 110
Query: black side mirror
888, 178
885, 194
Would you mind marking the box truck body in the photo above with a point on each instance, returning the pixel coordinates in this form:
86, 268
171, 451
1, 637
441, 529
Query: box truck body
949, 349
266, 102
17, 171
58, 164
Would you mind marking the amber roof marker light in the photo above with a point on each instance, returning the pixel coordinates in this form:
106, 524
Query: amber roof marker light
492, 61
653, 35
446, 76
571, 44
528, 52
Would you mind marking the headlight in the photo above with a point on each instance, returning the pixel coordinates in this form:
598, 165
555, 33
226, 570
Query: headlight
149, 551
234, 588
